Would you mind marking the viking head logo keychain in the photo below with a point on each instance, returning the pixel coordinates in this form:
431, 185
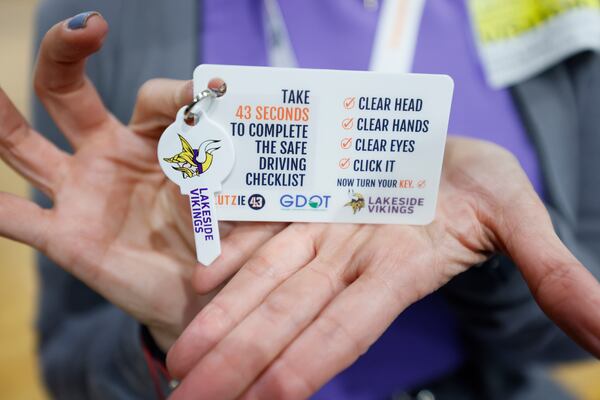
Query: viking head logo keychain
197, 154
193, 162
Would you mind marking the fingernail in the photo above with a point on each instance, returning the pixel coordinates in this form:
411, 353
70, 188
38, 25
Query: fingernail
80, 20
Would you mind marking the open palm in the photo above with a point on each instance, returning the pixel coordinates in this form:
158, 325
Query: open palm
316, 296
117, 223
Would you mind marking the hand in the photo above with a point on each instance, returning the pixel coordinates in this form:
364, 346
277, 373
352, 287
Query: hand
117, 223
316, 296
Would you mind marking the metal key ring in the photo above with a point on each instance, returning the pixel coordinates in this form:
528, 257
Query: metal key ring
208, 93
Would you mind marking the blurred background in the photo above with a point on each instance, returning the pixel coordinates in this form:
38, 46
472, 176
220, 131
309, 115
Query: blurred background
19, 376
18, 370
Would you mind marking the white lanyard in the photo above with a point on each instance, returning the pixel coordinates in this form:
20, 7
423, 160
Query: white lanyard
393, 48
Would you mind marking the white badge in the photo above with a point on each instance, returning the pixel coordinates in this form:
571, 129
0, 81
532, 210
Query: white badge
313, 145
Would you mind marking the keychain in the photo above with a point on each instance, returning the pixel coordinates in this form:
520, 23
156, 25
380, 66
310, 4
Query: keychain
313, 146
197, 154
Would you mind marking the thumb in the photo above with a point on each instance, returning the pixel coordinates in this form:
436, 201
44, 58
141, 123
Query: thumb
565, 290
157, 104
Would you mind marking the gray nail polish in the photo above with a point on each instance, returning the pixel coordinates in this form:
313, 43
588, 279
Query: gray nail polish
80, 20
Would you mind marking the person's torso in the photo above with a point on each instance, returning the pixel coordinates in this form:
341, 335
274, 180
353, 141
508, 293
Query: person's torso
424, 342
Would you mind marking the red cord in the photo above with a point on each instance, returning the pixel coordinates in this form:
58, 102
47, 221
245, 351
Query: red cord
163, 369
152, 364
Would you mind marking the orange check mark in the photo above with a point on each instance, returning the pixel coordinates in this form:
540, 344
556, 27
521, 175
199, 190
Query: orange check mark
349, 103
348, 123
344, 163
346, 143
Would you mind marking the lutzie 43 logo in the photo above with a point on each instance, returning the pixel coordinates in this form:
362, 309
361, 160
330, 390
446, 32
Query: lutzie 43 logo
193, 162
357, 201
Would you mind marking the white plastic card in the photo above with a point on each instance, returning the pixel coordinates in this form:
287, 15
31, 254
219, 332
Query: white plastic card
330, 146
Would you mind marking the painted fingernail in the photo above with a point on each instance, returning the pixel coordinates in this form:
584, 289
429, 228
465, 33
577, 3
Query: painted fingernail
80, 20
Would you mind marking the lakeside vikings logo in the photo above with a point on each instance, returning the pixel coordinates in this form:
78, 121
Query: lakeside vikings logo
357, 201
191, 162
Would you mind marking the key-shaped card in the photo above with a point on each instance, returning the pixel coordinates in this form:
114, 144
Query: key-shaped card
198, 158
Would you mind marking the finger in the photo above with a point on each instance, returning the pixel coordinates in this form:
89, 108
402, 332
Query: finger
561, 285
26, 151
272, 325
341, 333
237, 248
272, 264
157, 104
60, 81
519, 224
23, 221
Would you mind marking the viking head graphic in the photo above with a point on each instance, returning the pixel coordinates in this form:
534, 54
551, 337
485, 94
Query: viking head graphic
357, 201
191, 162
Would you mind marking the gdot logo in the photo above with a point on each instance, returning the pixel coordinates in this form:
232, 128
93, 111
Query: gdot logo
302, 202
